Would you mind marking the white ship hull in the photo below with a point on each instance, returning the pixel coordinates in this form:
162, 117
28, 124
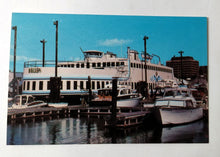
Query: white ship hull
174, 116
58, 105
132, 102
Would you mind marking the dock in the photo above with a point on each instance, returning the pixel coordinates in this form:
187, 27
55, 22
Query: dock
15, 114
125, 117
128, 119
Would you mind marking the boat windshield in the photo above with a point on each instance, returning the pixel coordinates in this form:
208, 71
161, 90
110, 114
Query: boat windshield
186, 93
30, 99
93, 54
173, 93
169, 93
17, 100
176, 103
24, 99
162, 103
123, 91
170, 103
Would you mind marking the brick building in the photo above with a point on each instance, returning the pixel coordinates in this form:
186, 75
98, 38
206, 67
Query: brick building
190, 67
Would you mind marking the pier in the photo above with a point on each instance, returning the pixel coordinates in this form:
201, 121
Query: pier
125, 117
128, 119
122, 113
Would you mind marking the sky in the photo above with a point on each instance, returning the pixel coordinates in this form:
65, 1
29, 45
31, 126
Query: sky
114, 33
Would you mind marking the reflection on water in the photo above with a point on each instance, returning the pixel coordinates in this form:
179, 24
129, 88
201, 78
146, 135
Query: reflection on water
190, 133
92, 131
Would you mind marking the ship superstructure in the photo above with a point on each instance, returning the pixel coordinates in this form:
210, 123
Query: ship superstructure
100, 66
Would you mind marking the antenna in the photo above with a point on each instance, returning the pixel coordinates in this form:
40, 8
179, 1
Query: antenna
121, 50
157, 56
81, 50
83, 54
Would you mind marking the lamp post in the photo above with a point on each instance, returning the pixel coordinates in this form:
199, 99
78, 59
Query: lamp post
55, 82
15, 44
181, 57
43, 41
56, 24
145, 62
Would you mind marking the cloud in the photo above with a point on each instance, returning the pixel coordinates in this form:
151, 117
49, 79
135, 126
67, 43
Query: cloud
75, 58
22, 58
114, 42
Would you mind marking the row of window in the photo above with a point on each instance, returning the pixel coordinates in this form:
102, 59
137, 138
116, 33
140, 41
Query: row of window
141, 66
94, 65
113, 64
76, 85
70, 85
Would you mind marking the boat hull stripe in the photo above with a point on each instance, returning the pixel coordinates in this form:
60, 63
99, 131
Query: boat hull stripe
62, 92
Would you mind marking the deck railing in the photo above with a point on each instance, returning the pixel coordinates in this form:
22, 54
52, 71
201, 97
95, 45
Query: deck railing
38, 63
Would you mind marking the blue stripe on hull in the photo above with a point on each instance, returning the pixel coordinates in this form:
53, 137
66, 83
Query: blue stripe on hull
62, 92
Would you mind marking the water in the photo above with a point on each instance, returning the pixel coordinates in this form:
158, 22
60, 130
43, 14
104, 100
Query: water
85, 130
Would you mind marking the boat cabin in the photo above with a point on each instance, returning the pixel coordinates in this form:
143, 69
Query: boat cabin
26, 101
174, 103
177, 97
106, 93
23, 99
93, 54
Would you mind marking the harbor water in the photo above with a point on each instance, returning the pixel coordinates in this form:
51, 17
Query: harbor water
91, 130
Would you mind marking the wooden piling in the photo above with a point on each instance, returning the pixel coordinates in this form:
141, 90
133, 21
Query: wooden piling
90, 91
114, 102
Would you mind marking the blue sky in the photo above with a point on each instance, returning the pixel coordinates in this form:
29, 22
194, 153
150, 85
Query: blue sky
167, 36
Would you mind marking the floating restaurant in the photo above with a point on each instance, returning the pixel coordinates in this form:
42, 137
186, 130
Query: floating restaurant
100, 66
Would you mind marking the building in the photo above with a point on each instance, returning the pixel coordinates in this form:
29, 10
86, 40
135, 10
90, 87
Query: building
190, 67
203, 70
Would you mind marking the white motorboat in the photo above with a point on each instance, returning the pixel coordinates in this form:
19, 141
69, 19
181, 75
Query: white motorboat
26, 101
178, 106
125, 98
